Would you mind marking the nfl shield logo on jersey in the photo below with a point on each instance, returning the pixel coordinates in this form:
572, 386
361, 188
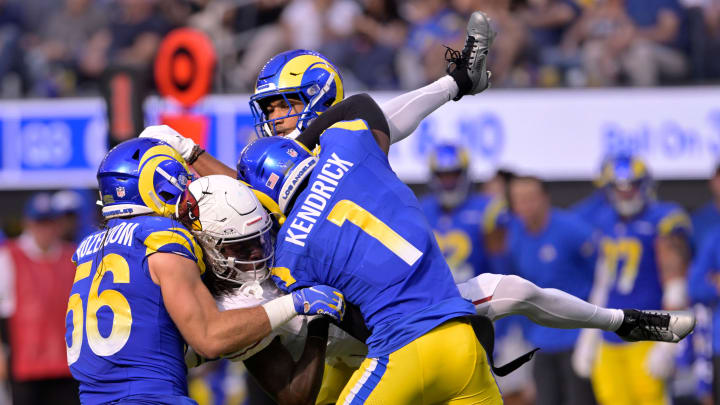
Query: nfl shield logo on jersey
120, 191
292, 152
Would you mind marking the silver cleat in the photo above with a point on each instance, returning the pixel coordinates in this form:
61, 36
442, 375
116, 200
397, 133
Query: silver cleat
661, 326
473, 58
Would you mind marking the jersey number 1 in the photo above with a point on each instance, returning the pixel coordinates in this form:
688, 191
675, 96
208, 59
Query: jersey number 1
370, 224
118, 304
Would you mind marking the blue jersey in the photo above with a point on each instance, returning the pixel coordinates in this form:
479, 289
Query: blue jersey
628, 250
358, 228
121, 340
705, 269
590, 207
461, 232
704, 220
561, 256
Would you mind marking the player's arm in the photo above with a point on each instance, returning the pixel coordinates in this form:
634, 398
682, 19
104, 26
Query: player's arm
287, 381
359, 106
206, 329
673, 256
212, 332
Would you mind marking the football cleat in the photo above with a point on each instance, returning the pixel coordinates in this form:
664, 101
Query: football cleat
660, 326
469, 67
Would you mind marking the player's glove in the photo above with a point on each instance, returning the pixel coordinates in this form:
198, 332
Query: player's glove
184, 146
319, 300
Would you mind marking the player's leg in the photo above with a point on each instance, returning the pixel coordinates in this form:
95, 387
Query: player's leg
446, 364
335, 377
468, 75
498, 296
620, 376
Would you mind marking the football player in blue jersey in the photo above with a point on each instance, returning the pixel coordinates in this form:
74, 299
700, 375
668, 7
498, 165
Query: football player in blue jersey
704, 289
644, 256
351, 222
470, 227
137, 296
589, 207
707, 217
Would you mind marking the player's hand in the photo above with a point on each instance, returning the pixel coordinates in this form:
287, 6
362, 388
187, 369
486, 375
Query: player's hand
583, 358
319, 300
183, 145
660, 361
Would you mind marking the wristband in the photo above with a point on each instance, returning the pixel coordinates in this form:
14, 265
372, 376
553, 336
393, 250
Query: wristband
280, 310
195, 154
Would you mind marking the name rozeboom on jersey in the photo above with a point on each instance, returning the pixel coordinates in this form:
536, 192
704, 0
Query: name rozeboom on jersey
121, 234
321, 189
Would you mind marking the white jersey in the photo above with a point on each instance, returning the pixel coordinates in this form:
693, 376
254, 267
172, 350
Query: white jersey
292, 333
341, 346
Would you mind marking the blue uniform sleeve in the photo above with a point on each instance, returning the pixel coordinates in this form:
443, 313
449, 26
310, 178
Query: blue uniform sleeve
700, 288
163, 235
288, 273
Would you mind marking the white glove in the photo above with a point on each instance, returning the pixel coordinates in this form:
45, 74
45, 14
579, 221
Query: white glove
184, 146
660, 361
583, 358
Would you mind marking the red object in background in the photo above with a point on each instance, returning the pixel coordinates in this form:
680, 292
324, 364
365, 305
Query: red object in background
184, 66
37, 331
189, 125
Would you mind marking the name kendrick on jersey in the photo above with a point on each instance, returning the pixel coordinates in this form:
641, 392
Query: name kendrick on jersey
121, 234
321, 191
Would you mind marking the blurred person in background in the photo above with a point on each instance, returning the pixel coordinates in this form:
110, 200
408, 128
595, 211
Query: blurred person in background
135, 30
56, 59
37, 275
7, 303
707, 217
640, 39
645, 250
308, 24
248, 36
704, 289
368, 54
77, 216
432, 25
552, 248
470, 227
588, 207
12, 26
546, 22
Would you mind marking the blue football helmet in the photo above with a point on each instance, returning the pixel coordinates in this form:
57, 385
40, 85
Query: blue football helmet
630, 187
141, 176
449, 164
276, 167
299, 74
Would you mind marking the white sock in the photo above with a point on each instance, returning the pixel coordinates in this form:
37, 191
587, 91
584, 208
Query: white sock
405, 112
550, 307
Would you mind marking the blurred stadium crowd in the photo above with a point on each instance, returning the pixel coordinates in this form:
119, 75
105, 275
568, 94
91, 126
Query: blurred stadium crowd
61, 48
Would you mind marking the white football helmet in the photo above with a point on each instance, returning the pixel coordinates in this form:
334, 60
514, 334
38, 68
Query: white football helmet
232, 227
